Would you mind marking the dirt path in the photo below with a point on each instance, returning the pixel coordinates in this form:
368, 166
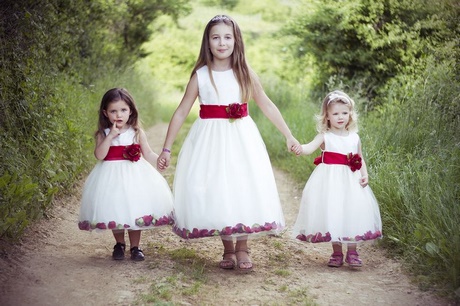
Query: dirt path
56, 264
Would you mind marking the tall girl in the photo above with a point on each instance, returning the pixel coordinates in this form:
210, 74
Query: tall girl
124, 191
337, 204
224, 184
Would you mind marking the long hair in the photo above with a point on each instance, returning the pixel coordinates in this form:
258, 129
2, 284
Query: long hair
115, 95
333, 97
243, 73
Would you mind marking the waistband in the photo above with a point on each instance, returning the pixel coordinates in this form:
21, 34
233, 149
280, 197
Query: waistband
231, 111
333, 158
131, 152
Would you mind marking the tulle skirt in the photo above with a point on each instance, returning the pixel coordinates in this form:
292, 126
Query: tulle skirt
335, 208
125, 195
224, 183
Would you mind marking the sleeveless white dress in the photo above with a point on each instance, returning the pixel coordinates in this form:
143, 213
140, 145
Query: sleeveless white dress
121, 194
334, 207
224, 183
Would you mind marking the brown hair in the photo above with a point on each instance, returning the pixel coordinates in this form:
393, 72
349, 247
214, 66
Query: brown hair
114, 95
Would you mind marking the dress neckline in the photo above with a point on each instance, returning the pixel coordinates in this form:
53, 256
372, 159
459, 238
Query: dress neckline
348, 134
222, 71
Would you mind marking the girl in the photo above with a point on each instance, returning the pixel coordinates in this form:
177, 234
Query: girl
224, 184
124, 191
337, 204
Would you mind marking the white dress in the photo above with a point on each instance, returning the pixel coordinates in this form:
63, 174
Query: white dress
122, 194
334, 207
224, 183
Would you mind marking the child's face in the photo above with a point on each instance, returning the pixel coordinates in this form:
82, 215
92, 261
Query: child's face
338, 115
221, 41
119, 112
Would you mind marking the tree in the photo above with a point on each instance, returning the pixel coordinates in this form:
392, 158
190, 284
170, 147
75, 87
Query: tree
369, 42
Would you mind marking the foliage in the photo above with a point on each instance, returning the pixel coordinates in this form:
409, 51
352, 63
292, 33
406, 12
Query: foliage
369, 42
52, 56
226, 4
415, 154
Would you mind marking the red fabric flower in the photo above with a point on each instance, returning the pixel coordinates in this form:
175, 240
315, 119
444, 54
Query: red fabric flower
354, 161
318, 160
132, 152
234, 111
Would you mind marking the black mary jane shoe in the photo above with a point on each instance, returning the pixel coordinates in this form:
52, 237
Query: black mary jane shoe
136, 254
119, 251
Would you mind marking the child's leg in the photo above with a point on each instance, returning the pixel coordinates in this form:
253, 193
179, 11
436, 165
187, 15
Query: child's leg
119, 248
351, 247
336, 259
337, 247
242, 253
134, 240
119, 236
352, 258
228, 258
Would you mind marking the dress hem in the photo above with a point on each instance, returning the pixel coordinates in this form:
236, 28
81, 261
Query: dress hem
145, 222
230, 231
319, 237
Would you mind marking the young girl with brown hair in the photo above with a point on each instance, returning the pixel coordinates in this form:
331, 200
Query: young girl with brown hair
124, 192
224, 184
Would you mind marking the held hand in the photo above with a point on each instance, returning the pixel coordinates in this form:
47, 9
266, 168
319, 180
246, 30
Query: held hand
297, 149
293, 144
363, 181
163, 161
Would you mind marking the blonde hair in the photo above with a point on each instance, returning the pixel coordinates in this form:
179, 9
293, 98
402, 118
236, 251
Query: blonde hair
331, 98
243, 74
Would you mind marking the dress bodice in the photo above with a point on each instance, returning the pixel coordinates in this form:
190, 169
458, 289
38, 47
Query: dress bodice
124, 139
226, 84
341, 144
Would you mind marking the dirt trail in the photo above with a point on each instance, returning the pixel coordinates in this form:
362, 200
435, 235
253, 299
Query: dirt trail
57, 264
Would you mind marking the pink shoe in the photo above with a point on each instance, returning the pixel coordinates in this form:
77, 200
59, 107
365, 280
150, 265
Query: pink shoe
336, 260
353, 260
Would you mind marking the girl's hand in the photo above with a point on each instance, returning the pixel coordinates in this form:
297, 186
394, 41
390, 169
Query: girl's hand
292, 144
114, 131
364, 181
297, 149
163, 161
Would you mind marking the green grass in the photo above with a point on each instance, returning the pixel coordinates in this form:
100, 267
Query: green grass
186, 278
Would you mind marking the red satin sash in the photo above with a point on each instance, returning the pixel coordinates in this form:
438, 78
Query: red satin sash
351, 160
131, 152
223, 111
115, 153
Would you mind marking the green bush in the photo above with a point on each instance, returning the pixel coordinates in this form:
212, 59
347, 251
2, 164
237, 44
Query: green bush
57, 59
415, 155
369, 42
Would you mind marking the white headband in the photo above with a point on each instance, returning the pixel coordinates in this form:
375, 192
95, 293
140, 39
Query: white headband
219, 18
336, 96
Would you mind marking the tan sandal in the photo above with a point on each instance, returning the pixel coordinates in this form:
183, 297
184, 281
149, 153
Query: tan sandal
241, 263
228, 262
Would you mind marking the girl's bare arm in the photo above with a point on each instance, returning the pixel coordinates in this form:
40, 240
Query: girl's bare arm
178, 118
